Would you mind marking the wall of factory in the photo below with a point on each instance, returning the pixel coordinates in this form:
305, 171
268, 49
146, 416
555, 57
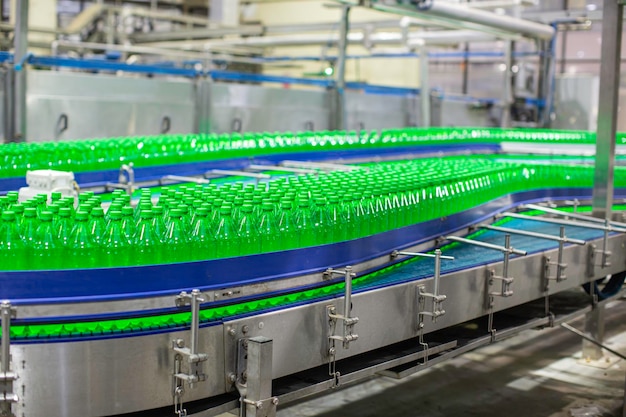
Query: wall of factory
396, 72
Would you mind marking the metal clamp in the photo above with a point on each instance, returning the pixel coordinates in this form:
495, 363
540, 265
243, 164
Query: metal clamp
507, 251
348, 322
126, 179
7, 396
437, 298
562, 239
194, 359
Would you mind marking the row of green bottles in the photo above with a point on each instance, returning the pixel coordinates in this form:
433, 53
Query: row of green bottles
191, 223
107, 154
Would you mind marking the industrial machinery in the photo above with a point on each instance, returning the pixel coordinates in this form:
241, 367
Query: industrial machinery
432, 228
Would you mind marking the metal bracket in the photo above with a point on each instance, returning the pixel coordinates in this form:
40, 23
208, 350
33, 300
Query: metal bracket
194, 359
256, 399
437, 298
348, 322
437, 310
604, 263
126, 179
7, 396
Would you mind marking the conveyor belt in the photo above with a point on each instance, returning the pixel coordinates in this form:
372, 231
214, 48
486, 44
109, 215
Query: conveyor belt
409, 270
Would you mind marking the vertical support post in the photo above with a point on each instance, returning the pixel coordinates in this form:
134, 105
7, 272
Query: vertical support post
259, 401
594, 327
8, 117
424, 85
20, 51
612, 24
610, 60
507, 90
340, 82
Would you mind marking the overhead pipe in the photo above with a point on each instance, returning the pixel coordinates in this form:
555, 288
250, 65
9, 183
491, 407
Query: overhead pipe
448, 37
465, 17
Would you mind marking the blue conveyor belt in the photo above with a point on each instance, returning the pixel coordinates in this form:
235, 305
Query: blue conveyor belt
468, 256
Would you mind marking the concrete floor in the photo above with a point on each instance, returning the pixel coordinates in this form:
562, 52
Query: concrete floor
534, 374
537, 373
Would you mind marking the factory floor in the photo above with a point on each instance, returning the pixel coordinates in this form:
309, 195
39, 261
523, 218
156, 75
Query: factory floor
536, 373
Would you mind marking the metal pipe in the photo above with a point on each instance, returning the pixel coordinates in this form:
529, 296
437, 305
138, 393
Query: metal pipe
507, 90
422, 255
479, 19
572, 215
5, 356
195, 320
612, 24
437, 271
147, 50
505, 264
562, 222
347, 305
487, 245
559, 259
425, 86
20, 51
532, 234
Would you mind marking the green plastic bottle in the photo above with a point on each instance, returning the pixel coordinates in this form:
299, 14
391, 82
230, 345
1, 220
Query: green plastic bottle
81, 247
289, 237
248, 231
202, 238
176, 238
29, 225
146, 244
97, 226
226, 238
116, 244
45, 246
63, 228
268, 228
128, 222
303, 223
12, 247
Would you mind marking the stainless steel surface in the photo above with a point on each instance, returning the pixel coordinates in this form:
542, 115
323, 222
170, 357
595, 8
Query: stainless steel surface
20, 46
612, 23
375, 112
447, 111
576, 102
109, 377
259, 401
106, 106
255, 108
7, 378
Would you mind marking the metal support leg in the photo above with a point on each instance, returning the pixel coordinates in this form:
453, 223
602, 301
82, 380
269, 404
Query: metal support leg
425, 86
21, 49
7, 395
507, 91
259, 401
612, 24
344, 28
594, 327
